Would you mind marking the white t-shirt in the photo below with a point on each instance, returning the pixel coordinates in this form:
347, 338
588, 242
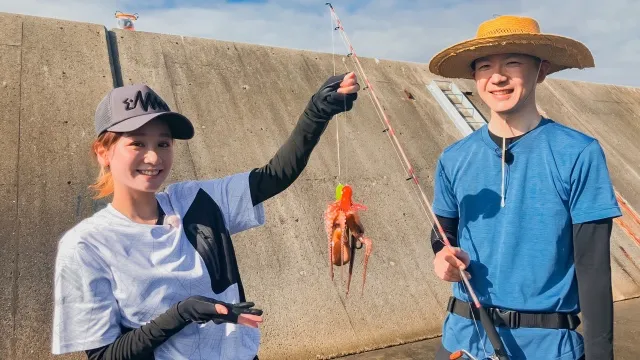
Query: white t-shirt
112, 272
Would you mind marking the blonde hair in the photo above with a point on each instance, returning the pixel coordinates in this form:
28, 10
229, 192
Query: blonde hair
103, 186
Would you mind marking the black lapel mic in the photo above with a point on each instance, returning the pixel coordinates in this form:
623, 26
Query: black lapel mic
508, 157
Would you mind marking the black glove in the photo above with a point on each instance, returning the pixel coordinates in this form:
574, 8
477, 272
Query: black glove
328, 101
201, 309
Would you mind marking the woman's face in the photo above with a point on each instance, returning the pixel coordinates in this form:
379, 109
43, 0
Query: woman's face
140, 160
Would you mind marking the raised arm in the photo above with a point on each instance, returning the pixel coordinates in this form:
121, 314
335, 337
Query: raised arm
336, 95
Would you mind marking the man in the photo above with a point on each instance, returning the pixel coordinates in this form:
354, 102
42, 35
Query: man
527, 204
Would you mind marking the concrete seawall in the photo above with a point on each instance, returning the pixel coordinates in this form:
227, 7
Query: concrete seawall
244, 100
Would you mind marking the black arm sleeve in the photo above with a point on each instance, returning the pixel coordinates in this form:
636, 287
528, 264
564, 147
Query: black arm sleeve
450, 227
591, 242
138, 344
292, 157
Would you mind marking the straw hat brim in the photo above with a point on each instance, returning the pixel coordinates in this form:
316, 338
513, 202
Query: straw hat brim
562, 52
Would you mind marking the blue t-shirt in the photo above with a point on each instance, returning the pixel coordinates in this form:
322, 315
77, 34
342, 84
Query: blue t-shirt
522, 253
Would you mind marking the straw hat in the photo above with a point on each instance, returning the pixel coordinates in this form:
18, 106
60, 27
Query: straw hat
511, 34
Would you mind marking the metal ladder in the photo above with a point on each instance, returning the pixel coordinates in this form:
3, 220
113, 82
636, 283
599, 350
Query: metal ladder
461, 111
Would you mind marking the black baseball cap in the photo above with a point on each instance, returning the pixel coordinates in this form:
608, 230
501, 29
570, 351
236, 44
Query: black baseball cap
129, 107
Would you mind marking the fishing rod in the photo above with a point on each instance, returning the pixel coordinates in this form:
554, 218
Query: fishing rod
500, 352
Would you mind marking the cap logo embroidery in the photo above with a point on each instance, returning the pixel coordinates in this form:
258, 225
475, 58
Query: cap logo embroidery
150, 100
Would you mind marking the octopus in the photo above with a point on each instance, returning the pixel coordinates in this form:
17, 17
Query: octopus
345, 232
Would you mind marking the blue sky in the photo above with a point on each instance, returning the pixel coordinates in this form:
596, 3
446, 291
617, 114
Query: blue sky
246, 1
405, 30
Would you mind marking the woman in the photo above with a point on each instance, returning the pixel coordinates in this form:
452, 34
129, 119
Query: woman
154, 275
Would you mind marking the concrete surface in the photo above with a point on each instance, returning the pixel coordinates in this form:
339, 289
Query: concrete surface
244, 100
10, 38
55, 73
626, 332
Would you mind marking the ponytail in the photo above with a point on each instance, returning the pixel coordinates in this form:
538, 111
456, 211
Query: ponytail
103, 186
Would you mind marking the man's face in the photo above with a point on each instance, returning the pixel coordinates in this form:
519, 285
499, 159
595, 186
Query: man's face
504, 81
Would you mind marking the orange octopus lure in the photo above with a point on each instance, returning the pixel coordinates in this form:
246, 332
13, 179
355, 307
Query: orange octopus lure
345, 231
